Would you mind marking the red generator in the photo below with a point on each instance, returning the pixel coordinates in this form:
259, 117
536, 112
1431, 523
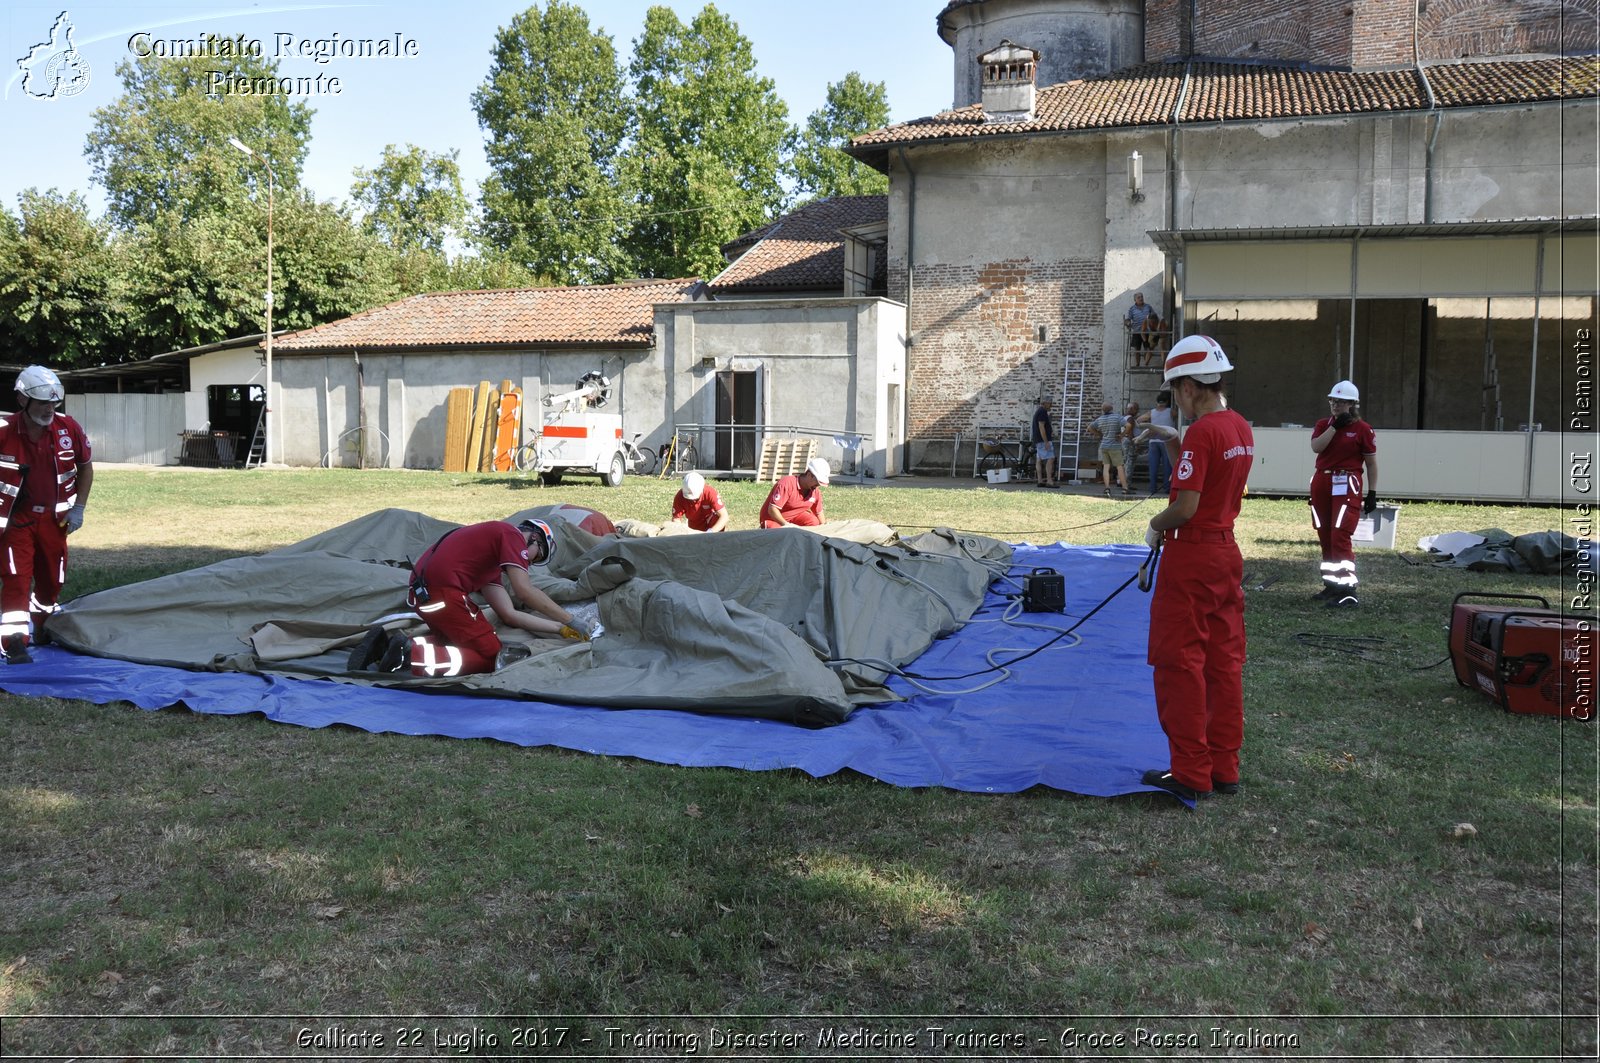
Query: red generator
1530, 661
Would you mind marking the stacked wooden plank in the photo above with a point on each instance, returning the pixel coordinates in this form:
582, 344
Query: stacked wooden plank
482, 427
784, 457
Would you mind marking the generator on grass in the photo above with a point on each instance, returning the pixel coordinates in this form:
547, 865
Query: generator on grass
577, 438
1527, 658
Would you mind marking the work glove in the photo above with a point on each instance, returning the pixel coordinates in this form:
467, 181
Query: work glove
1371, 502
74, 518
570, 632
1344, 420
1152, 538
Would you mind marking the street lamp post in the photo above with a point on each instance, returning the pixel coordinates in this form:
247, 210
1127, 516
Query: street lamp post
272, 436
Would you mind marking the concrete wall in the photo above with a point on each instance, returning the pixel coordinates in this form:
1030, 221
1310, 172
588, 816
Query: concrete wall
404, 396
823, 364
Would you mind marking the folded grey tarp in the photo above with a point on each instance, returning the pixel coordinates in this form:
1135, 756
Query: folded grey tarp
740, 623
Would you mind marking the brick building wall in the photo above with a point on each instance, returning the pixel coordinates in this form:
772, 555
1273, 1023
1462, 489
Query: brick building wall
977, 357
1368, 33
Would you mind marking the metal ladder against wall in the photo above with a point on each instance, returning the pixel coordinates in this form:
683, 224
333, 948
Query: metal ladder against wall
1072, 385
257, 454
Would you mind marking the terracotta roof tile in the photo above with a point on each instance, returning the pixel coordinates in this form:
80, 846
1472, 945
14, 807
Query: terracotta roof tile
1223, 92
616, 315
802, 251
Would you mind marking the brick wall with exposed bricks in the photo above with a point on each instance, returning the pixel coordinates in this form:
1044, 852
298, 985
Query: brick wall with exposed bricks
977, 356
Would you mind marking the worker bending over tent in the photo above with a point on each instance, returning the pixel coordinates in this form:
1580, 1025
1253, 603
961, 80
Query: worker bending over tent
797, 500
699, 505
461, 640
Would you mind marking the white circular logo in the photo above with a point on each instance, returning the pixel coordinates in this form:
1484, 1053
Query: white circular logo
1185, 469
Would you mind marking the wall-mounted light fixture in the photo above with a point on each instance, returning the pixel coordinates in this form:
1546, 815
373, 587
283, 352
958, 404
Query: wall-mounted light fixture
1136, 177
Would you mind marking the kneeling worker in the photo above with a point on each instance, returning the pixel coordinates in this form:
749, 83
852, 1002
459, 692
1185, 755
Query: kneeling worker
462, 640
699, 505
797, 499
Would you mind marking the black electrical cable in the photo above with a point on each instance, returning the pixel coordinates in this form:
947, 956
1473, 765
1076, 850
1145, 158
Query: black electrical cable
1035, 531
1358, 646
1002, 665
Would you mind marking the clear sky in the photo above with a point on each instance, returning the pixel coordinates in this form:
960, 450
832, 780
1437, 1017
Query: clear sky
802, 45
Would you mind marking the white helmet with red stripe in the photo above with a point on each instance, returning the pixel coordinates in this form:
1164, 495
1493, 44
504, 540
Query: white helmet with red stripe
1200, 357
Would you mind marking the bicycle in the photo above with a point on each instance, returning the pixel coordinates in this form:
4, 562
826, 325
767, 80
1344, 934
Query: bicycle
679, 455
641, 461
526, 458
1015, 455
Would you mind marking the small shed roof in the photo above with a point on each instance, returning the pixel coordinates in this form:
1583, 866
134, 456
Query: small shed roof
801, 251
610, 315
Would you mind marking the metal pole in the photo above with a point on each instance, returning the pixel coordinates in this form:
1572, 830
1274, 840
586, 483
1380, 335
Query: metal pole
272, 436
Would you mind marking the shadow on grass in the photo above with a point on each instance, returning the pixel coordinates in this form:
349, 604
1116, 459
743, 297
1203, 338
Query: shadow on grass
96, 569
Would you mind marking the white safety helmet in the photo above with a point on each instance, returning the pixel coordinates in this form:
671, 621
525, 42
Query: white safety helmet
818, 468
541, 532
39, 384
1345, 391
694, 485
1199, 357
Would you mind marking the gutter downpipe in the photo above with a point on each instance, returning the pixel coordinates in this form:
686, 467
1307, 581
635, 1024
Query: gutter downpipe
911, 288
1174, 170
1434, 110
1533, 374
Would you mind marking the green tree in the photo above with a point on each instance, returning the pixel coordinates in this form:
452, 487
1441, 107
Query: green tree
205, 280
60, 290
817, 163
161, 148
412, 200
705, 159
556, 113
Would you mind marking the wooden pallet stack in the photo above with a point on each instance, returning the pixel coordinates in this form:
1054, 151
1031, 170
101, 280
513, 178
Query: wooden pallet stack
482, 427
784, 457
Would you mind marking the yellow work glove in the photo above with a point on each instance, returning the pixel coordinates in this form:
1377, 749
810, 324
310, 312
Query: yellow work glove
570, 632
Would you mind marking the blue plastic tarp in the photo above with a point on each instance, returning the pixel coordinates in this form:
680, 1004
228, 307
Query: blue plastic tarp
1078, 716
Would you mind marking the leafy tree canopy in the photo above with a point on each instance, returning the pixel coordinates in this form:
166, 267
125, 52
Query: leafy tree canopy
706, 156
60, 289
555, 110
817, 161
161, 148
412, 200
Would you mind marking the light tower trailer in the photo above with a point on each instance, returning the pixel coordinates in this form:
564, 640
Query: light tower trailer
577, 438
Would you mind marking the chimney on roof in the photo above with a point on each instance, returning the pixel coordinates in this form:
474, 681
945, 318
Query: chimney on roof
1008, 76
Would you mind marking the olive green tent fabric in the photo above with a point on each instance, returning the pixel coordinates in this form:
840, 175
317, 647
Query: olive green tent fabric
786, 624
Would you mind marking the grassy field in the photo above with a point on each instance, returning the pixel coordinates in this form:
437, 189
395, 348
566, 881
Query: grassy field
175, 872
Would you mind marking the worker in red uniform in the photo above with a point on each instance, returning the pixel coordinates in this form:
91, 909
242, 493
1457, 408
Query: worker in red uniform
463, 641
1197, 612
797, 499
1344, 445
46, 470
698, 505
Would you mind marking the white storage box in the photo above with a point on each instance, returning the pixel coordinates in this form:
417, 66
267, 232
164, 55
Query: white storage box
999, 476
1376, 530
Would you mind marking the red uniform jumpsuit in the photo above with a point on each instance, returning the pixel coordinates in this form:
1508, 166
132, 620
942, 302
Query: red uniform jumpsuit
796, 507
1337, 491
700, 513
38, 485
1197, 612
452, 568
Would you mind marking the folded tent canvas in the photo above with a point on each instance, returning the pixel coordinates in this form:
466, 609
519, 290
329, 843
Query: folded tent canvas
788, 624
